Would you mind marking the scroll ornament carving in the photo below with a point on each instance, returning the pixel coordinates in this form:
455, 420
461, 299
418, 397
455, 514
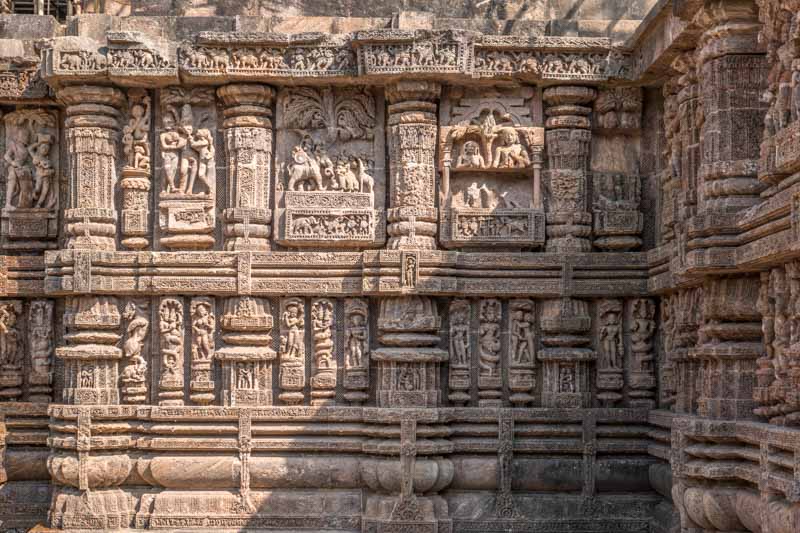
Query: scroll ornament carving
40, 332
134, 373
323, 380
171, 331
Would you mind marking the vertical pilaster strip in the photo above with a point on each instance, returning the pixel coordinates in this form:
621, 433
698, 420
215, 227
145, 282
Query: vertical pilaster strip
248, 147
92, 133
412, 135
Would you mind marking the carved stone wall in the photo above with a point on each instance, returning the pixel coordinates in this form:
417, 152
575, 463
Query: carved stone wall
392, 278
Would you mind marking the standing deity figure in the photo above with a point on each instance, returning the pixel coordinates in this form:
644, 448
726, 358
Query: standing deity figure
172, 143
293, 321
203, 329
19, 176
204, 144
356, 337
611, 341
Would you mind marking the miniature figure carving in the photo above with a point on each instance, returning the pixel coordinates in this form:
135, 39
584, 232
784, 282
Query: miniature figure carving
136, 136
489, 337
356, 340
522, 336
10, 353
294, 322
134, 371
203, 325
30, 173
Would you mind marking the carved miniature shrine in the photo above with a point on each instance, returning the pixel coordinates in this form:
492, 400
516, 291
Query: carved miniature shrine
334, 266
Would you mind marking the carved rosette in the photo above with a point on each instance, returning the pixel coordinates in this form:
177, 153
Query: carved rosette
356, 350
171, 340
92, 135
568, 138
566, 356
412, 215
459, 373
522, 352
292, 353
246, 357
324, 368
248, 146
91, 356
408, 360
203, 328
137, 171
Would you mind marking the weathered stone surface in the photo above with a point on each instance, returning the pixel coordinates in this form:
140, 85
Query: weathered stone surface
461, 267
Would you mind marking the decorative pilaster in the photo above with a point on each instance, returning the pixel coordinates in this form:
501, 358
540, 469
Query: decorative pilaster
409, 359
91, 356
246, 358
248, 146
412, 215
687, 307
729, 344
610, 353
292, 351
566, 355
568, 138
522, 352
92, 130
490, 378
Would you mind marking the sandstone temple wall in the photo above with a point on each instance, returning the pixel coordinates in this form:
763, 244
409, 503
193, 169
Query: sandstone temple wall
283, 266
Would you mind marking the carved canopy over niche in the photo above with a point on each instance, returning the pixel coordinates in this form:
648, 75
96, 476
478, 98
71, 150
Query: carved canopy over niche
330, 186
490, 157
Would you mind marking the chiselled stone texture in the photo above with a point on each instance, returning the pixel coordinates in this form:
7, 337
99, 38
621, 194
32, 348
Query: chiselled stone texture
481, 267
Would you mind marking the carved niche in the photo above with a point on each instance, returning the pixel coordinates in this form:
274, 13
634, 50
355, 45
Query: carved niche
330, 189
30, 170
618, 223
187, 142
490, 157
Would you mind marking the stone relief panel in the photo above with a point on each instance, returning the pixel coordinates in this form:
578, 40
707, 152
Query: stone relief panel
30, 165
330, 189
490, 159
187, 142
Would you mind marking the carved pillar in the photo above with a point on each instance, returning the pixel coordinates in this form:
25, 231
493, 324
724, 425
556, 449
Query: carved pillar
412, 144
91, 356
408, 360
248, 145
732, 79
729, 344
568, 138
137, 172
566, 355
246, 358
92, 130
